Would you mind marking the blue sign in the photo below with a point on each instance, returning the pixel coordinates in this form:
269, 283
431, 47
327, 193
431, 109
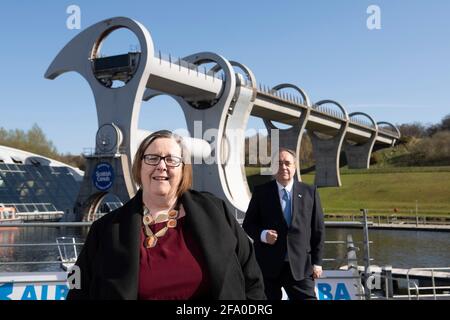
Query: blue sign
327, 292
103, 176
33, 291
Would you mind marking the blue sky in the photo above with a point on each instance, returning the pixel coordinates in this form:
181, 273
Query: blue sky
400, 73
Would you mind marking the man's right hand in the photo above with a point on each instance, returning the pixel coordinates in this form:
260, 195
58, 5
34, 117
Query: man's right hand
271, 236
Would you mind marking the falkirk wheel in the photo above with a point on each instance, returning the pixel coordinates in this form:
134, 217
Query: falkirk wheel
217, 102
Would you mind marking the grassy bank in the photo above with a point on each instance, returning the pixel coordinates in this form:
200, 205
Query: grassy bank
383, 190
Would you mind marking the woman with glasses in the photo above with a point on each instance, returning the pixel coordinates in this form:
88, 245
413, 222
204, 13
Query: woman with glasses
168, 242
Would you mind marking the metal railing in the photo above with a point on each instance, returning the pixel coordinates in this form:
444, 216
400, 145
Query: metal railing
349, 260
62, 247
362, 274
190, 68
279, 94
387, 130
392, 219
434, 287
413, 289
336, 113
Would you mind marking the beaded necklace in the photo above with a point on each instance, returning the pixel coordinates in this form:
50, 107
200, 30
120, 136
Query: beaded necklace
148, 220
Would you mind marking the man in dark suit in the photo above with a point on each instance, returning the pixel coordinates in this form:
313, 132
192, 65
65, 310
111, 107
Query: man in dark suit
285, 221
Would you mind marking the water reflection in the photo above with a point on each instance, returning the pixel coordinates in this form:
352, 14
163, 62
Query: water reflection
7, 235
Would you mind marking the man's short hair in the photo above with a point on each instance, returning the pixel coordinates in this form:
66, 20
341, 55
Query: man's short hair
276, 156
292, 152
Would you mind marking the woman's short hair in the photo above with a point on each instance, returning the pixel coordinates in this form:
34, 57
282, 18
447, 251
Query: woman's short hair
186, 178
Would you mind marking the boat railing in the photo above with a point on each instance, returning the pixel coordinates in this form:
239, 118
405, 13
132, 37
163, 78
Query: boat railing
64, 244
361, 276
47, 262
68, 253
434, 288
67, 246
413, 289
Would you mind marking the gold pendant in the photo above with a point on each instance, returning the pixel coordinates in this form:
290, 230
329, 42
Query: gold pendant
147, 219
171, 223
173, 214
151, 241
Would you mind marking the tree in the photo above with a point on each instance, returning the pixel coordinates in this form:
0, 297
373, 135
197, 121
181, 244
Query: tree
445, 123
35, 141
416, 129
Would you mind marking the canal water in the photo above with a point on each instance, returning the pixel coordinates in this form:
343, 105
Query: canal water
399, 248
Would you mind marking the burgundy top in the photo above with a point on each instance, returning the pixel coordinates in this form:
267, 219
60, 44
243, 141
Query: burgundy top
174, 269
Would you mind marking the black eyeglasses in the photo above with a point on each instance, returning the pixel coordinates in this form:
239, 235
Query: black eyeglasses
154, 159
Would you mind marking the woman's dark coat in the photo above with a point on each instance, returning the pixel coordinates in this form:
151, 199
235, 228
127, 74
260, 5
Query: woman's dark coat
109, 260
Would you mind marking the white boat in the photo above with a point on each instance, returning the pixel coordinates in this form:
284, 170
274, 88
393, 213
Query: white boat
32, 212
8, 215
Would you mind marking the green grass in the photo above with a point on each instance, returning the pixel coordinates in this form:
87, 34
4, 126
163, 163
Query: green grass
382, 189
377, 170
